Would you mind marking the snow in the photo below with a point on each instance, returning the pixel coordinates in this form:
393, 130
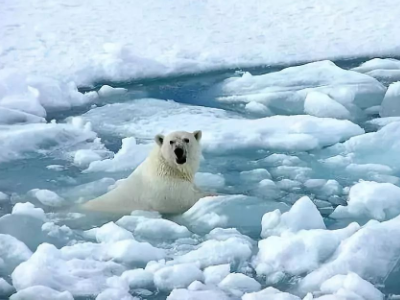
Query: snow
371, 200
302, 215
47, 197
181, 45
41, 293
28, 209
391, 103
321, 105
238, 284
107, 90
178, 276
283, 146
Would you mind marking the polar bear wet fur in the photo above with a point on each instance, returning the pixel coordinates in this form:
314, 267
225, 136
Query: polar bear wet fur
163, 182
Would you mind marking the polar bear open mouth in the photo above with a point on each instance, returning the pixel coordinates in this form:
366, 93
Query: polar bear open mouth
180, 156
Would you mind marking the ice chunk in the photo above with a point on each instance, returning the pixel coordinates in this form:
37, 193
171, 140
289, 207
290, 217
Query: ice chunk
270, 293
89, 190
391, 103
6, 289
138, 278
84, 157
382, 122
12, 253
215, 274
19, 140
286, 90
115, 294
51, 267
238, 284
128, 157
377, 242
367, 199
178, 276
321, 105
367, 149
47, 197
255, 175
227, 211
111, 232
106, 91
3, 197
209, 180
39, 292
12, 116
303, 215
23, 227
150, 226
183, 294
29, 209
352, 283
151, 117
258, 108
298, 253
213, 252
381, 68
131, 251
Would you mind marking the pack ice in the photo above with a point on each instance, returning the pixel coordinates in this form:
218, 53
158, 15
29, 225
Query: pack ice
305, 170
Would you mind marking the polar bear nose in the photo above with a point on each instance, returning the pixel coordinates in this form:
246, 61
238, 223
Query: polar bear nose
178, 152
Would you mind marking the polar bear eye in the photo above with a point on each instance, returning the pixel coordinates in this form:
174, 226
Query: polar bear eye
186, 140
171, 142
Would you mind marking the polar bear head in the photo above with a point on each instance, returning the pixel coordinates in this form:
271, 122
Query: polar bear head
181, 149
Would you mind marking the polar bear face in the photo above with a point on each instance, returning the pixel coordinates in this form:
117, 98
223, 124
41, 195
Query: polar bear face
181, 149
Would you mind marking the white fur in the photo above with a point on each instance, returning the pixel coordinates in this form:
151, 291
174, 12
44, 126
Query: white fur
159, 183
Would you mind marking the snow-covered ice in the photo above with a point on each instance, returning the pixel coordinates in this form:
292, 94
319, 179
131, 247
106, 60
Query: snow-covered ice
300, 163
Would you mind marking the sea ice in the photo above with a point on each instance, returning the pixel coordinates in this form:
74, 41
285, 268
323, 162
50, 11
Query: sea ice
302, 215
270, 293
377, 242
12, 253
47, 197
381, 68
287, 90
29, 209
371, 200
177, 276
238, 284
39, 292
215, 274
107, 90
391, 103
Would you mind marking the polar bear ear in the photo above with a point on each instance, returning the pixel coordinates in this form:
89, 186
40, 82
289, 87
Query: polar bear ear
159, 139
197, 135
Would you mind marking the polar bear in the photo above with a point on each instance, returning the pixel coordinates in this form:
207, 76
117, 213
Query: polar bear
163, 182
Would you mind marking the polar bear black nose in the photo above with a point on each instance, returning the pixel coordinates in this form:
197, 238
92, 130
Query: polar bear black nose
178, 152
